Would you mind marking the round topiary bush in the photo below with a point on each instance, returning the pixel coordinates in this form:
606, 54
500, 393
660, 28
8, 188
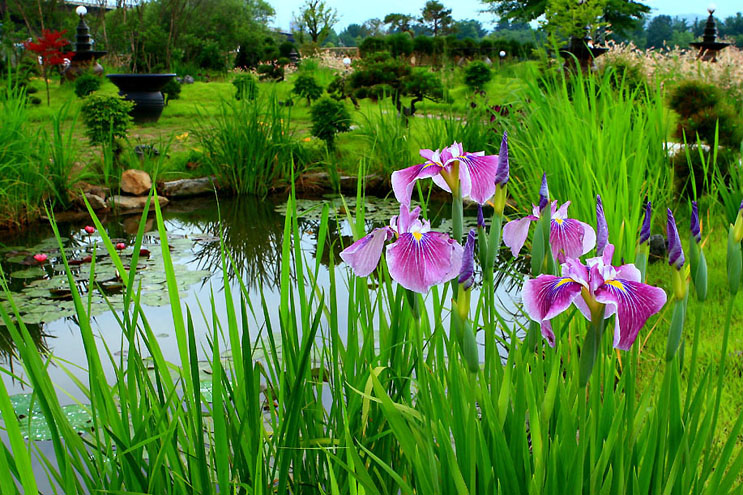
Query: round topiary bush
86, 84
171, 91
246, 87
106, 117
306, 87
329, 117
477, 75
703, 111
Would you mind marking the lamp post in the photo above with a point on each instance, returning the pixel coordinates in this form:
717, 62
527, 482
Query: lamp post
85, 57
709, 46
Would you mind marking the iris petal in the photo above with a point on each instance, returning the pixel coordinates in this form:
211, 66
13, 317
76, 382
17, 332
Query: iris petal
403, 180
482, 171
515, 233
420, 263
570, 238
547, 296
634, 303
363, 255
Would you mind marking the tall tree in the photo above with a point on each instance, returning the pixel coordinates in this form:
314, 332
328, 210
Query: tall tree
621, 15
317, 19
470, 28
399, 23
660, 31
437, 18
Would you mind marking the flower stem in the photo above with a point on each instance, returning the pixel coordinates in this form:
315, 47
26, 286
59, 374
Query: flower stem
721, 375
694, 350
591, 345
456, 215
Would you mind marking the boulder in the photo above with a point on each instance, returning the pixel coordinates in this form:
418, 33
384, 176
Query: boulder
188, 80
188, 187
135, 182
96, 202
132, 204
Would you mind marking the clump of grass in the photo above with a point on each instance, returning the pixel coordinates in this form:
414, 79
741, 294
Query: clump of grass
249, 145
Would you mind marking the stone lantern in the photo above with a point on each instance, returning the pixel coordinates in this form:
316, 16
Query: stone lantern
709, 46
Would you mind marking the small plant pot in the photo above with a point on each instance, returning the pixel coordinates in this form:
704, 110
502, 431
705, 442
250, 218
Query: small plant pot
144, 91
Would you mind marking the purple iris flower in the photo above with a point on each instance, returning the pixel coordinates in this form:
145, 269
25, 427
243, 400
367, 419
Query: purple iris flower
593, 285
467, 272
418, 259
645, 230
696, 230
502, 172
473, 173
602, 230
544, 193
675, 251
569, 238
480, 217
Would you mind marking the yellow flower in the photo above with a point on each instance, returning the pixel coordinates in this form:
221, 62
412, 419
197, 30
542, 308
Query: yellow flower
182, 137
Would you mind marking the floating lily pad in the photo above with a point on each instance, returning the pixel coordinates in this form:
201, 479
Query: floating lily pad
34, 272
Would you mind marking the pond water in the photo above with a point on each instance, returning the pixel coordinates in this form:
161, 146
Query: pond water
252, 231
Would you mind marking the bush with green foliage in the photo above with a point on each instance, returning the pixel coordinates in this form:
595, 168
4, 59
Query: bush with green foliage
400, 44
86, 84
106, 118
704, 111
306, 87
171, 90
246, 87
272, 71
372, 45
423, 46
329, 117
625, 74
286, 48
477, 75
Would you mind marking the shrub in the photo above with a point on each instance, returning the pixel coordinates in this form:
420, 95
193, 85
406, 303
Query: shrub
477, 75
86, 83
371, 45
106, 117
306, 87
704, 111
171, 91
246, 87
625, 74
423, 45
270, 72
329, 117
286, 48
400, 45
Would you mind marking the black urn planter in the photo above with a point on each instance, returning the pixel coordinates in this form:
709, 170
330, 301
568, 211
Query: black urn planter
144, 91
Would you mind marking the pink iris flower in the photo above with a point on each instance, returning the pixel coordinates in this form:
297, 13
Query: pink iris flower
590, 287
418, 258
569, 238
474, 174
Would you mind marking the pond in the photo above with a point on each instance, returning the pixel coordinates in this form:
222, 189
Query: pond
252, 231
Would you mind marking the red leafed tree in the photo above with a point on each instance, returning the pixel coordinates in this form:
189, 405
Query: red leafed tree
49, 49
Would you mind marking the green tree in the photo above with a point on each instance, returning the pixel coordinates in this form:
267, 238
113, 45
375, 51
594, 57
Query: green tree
316, 19
660, 31
436, 18
619, 14
399, 23
306, 87
470, 28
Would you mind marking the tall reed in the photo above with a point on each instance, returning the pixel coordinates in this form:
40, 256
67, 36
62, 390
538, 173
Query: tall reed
249, 145
590, 139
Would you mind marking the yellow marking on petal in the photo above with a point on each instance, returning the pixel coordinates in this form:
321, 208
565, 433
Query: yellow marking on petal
417, 235
558, 221
563, 281
616, 283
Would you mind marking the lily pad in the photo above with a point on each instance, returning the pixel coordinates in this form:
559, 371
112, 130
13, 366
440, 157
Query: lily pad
34, 272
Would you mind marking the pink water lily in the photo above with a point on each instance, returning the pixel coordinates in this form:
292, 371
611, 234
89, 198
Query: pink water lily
473, 174
89, 229
40, 257
418, 259
569, 238
591, 287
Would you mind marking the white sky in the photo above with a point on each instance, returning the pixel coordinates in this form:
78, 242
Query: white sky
358, 11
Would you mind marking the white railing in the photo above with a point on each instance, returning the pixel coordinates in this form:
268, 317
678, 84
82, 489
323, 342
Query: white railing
108, 4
